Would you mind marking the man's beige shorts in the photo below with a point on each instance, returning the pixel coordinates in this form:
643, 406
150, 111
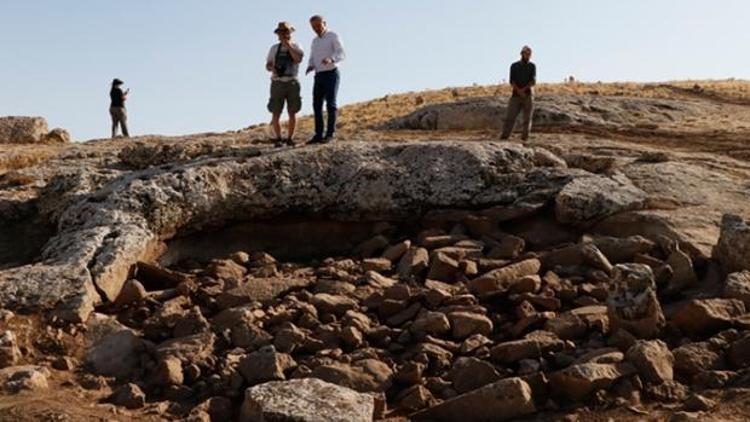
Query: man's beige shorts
285, 92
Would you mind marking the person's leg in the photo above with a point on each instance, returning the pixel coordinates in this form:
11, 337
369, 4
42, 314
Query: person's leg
115, 122
124, 123
276, 107
514, 107
275, 117
318, 97
332, 90
294, 105
291, 126
528, 112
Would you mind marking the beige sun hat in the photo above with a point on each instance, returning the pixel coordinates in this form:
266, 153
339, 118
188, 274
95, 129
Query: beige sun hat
284, 27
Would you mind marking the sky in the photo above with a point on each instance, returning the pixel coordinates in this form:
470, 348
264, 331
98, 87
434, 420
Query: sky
198, 66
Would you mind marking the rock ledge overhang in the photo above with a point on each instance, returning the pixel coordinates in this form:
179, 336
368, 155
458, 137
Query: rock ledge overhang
127, 220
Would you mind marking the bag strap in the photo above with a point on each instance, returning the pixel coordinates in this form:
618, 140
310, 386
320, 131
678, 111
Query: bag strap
278, 54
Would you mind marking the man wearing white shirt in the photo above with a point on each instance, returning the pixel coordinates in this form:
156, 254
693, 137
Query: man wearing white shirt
325, 54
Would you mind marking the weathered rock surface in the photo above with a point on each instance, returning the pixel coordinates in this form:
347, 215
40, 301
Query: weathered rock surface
265, 365
737, 286
499, 280
26, 377
9, 351
707, 316
632, 303
653, 360
550, 111
733, 249
693, 358
129, 396
534, 345
586, 200
22, 130
116, 353
306, 400
503, 400
368, 375
124, 222
576, 382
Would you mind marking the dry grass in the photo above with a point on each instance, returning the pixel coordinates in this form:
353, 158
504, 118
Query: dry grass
15, 157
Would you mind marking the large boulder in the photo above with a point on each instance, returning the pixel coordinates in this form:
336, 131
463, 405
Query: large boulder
22, 130
103, 234
306, 400
733, 248
588, 111
586, 200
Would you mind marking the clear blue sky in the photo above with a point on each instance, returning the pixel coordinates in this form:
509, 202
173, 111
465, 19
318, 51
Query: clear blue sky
197, 65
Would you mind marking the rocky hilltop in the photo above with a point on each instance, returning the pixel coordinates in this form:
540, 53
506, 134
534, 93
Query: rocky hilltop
418, 269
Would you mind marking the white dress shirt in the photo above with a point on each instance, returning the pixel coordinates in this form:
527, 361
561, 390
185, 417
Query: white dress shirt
325, 46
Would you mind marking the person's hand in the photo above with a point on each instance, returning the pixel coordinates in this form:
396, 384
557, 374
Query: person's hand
327, 61
309, 69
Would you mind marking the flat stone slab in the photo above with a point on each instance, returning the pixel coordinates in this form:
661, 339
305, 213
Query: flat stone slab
105, 232
306, 400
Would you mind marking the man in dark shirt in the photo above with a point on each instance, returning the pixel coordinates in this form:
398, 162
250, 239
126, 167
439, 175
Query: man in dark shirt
117, 108
522, 79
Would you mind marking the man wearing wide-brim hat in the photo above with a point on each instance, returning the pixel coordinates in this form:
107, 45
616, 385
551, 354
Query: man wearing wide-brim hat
283, 62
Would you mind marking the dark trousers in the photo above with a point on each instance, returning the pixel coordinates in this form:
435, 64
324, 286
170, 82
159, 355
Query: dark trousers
515, 106
325, 89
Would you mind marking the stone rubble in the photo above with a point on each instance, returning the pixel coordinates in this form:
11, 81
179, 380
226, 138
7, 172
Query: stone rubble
574, 324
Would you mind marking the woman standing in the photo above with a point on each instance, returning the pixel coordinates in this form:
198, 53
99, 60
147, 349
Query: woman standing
117, 108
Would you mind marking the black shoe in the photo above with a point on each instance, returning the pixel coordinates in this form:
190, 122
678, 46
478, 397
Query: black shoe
315, 140
278, 142
289, 142
329, 138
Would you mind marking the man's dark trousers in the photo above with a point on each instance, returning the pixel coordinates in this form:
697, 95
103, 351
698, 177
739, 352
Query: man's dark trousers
325, 89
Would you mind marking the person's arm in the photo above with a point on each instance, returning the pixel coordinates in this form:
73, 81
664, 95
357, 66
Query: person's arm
270, 59
532, 82
338, 49
294, 51
310, 62
513, 81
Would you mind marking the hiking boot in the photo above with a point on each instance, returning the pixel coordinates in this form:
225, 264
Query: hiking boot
315, 140
329, 138
289, 142
278, 142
